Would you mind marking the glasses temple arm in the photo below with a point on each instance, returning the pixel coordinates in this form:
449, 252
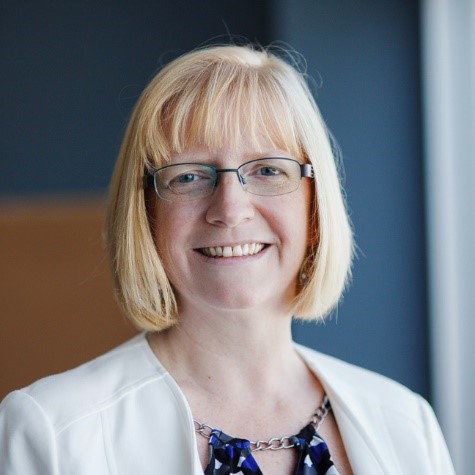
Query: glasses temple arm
306, 170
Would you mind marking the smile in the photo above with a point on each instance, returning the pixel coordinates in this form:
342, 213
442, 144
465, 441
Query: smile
233, 251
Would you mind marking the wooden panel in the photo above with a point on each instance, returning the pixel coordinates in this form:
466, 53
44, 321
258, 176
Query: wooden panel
56, 302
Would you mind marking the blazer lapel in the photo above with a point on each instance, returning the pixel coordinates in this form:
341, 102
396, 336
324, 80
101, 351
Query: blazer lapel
358, 415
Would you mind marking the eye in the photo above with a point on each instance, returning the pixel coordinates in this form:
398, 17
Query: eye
268, 171
191, 177
186, 178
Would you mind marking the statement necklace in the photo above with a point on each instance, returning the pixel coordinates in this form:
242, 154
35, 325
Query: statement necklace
275, 443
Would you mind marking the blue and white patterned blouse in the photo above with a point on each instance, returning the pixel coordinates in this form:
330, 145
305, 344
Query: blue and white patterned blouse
228, 455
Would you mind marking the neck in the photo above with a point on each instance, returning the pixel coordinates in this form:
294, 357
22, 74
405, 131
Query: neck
249, 351
239, 371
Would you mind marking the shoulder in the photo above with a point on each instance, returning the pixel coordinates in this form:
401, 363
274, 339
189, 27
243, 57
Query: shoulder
349, 379
48, 427
388, 416
91, 387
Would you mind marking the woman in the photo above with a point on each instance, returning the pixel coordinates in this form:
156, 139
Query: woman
226, 219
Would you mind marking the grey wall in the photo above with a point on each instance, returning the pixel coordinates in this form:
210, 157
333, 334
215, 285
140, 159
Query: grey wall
72, 70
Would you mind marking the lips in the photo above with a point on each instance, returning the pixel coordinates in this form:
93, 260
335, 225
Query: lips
248, 249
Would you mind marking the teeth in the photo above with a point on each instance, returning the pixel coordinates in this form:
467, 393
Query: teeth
235, 251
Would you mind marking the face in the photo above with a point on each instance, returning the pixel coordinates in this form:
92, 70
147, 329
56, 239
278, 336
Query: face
234, 250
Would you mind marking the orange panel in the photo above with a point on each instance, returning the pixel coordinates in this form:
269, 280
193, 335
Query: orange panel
56, 301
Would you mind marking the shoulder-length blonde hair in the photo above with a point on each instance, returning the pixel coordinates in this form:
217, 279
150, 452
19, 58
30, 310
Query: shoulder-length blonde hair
209, 96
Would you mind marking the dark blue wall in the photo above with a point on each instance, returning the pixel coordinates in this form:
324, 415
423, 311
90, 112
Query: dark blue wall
72, 70
365, 58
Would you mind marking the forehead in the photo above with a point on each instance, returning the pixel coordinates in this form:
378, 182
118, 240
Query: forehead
245, 148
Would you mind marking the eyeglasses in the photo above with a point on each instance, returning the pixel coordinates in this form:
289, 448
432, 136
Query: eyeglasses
264, 177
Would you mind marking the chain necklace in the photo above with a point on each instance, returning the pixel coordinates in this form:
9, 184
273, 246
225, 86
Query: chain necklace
275, 443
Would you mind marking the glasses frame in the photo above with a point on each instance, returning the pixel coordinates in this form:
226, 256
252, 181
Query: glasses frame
306, 171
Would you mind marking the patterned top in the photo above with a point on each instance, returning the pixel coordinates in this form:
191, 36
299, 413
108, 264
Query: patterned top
228, 455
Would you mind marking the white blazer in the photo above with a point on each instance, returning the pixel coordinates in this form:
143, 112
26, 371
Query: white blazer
122, 413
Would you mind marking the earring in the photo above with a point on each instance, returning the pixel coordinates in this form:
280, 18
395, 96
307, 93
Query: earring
305, 270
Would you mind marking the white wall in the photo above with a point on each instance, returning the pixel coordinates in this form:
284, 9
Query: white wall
448, 33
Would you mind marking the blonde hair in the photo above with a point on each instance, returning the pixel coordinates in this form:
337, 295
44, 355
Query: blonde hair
211, 96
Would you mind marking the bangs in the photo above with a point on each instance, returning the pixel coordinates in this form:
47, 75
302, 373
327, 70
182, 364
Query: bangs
217, 105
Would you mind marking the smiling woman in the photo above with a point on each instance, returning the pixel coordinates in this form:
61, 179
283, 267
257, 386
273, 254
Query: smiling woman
226, 220
252, 99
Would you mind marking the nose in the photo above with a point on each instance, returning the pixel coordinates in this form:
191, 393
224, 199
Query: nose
230, 205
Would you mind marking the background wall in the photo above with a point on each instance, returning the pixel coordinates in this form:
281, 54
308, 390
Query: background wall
448, 46
72, 70
365, 58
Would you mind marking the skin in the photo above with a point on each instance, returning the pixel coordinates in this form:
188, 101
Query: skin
232, 352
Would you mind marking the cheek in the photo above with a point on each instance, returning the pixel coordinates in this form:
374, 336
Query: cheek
291, 221
173, 225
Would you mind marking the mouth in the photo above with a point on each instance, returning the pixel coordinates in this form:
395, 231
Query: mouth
248, 249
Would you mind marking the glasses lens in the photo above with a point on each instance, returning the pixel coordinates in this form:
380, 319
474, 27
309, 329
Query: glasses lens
185, 181
271, 176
